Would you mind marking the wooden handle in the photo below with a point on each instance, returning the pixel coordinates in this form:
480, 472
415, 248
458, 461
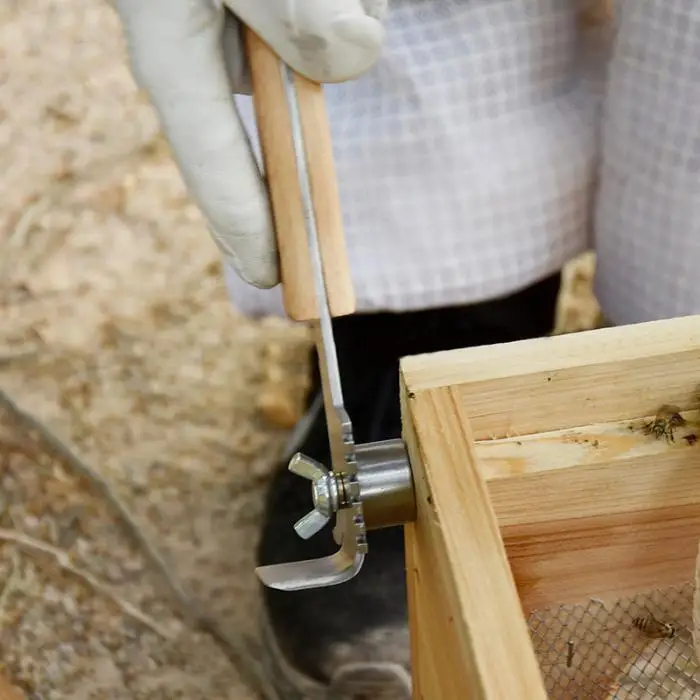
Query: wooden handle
274, 129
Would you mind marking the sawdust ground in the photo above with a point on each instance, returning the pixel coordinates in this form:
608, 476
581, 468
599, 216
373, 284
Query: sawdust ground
117, 333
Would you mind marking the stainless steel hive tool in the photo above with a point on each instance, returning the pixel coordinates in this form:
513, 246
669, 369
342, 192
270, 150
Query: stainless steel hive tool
370, 485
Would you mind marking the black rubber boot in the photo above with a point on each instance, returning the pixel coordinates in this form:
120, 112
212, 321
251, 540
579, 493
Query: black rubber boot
351, 641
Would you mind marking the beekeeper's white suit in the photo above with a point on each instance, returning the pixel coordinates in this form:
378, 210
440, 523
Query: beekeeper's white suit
470, 151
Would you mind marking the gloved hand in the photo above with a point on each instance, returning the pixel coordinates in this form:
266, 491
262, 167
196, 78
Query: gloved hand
188, 56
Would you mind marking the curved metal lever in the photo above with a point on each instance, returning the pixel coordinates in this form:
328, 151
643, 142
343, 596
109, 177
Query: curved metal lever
386, 488
328, 498
312, 573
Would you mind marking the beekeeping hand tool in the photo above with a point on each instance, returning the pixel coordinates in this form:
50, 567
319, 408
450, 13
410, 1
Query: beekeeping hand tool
369, 486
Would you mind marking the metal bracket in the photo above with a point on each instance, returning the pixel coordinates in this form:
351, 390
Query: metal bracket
385, 487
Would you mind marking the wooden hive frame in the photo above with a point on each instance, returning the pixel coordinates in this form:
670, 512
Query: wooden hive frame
536, 485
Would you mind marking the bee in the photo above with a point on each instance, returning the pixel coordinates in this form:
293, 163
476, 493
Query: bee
667, 419
653, 628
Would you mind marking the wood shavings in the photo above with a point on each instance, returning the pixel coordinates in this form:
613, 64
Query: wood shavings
577, 308
278, 408
15, 248
63, 560
281, 400
10, 355
236, 646
9, 584
138, 361
82, 469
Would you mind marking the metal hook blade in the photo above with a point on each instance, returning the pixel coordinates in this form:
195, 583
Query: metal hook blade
311, 573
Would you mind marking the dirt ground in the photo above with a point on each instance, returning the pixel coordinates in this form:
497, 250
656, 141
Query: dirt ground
117, 334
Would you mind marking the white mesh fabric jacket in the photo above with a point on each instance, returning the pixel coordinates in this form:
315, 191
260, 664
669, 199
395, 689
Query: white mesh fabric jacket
647, 221
467, 158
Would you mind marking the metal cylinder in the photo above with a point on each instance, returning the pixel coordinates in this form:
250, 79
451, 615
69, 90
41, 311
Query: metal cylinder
386, 483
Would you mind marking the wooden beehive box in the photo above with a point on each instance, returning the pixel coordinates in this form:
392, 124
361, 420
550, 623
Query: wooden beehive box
537, 486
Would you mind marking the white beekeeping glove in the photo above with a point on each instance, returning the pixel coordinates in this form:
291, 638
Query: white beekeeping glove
187, 55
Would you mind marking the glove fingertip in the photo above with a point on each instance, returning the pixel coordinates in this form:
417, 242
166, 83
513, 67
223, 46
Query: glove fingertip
349, 49
261, 272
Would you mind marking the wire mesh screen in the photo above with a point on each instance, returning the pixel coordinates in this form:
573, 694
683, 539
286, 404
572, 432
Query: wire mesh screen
636, 648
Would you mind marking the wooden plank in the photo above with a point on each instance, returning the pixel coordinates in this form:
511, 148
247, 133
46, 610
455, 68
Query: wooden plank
468, 634
598, 511
602, 375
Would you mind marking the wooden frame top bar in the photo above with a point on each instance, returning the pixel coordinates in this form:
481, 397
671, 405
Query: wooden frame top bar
544, 384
